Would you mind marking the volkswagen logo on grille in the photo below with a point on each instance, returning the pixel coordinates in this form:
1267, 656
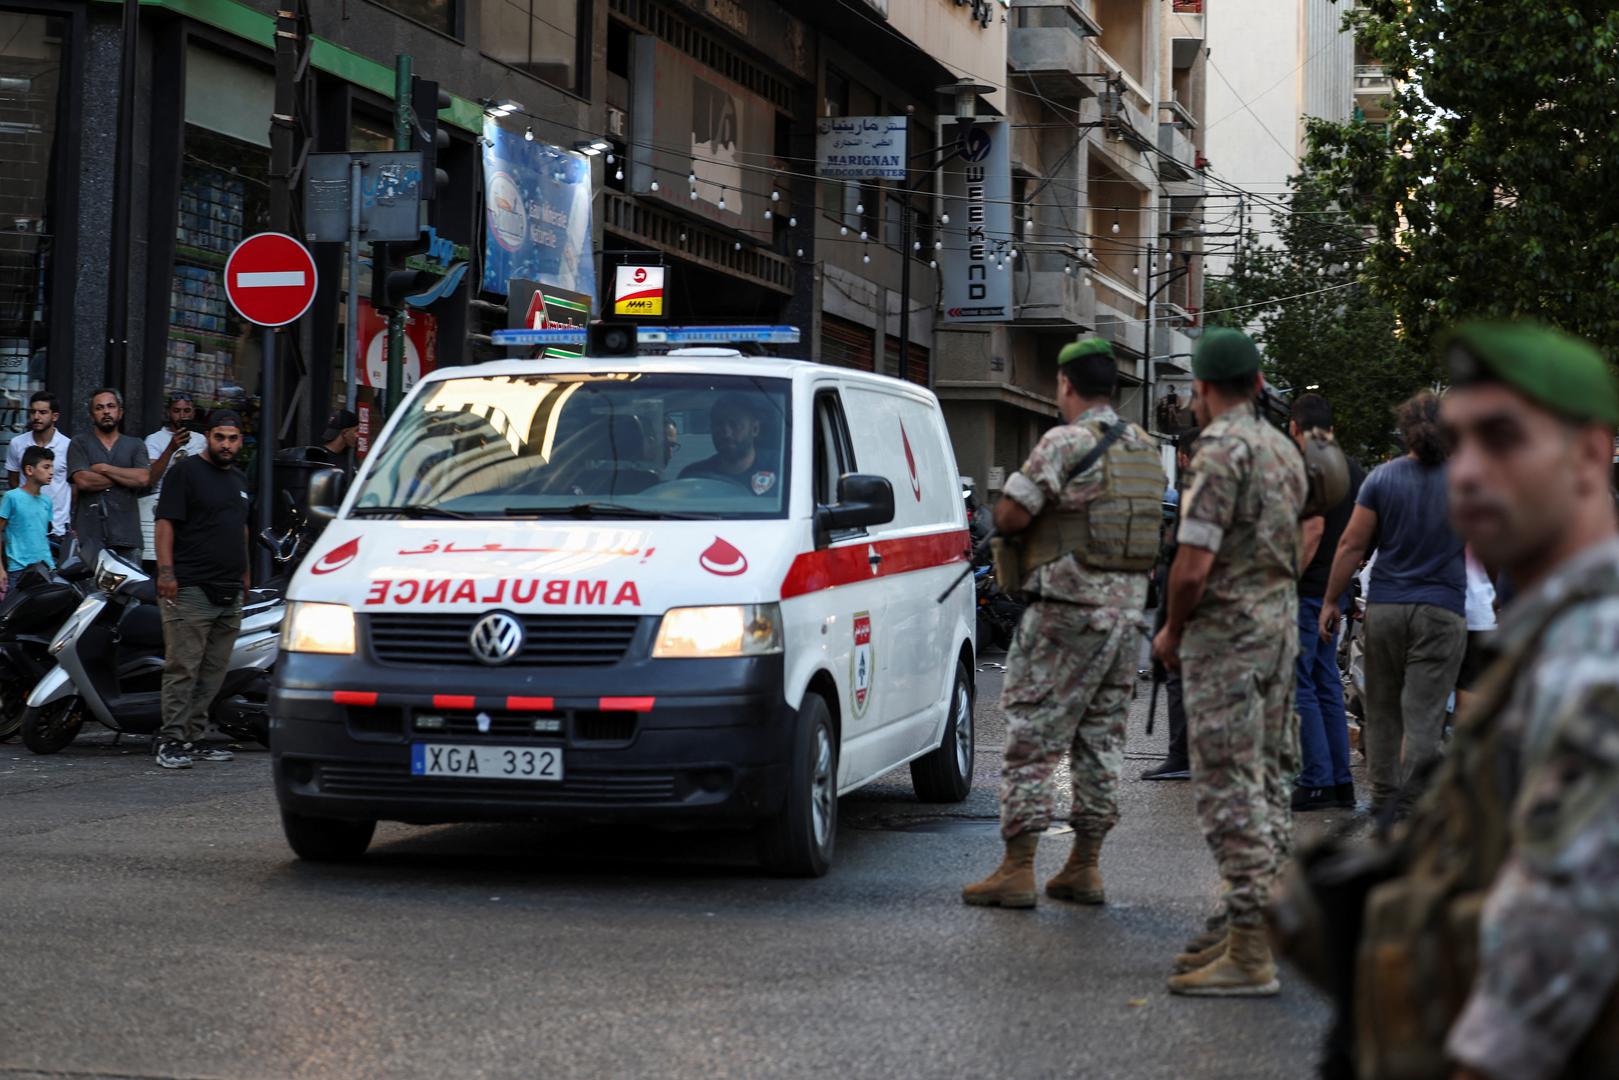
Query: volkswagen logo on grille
496, 638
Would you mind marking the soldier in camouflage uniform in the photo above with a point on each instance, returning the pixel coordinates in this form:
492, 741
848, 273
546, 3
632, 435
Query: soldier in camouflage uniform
1525, 938
1069, 675
1232, 630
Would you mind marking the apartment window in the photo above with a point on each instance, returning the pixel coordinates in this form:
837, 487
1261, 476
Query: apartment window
539, 37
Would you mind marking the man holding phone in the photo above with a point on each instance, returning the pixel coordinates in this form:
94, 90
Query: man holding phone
169, 445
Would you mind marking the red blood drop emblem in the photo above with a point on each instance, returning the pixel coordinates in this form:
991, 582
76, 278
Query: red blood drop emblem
337, 558
723, 559
910, 462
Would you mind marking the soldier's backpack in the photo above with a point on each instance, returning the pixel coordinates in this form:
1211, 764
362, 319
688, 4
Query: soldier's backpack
1117, 530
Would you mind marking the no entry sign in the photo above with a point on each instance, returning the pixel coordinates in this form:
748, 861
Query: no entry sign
270, 279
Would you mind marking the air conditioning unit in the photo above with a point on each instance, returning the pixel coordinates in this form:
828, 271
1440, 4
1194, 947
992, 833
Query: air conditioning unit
617, 124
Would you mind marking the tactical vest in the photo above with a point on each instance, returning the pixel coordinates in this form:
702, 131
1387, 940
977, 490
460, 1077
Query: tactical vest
1418, 954
1116, 530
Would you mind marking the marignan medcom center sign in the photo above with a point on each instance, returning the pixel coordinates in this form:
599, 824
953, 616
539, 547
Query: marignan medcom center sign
638, 291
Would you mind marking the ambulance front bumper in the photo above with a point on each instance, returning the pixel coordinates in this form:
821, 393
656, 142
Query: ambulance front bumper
664, 740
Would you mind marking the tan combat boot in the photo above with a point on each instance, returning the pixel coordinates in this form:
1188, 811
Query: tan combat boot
1245, 969
1080, 879
1192, 959
1012, 883
1213, 933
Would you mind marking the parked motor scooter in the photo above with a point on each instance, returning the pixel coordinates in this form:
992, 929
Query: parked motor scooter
109, 657
998, 613
30, 615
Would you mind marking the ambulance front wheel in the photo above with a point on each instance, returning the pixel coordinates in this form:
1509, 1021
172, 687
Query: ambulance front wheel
798, 840
329, 840
946, 774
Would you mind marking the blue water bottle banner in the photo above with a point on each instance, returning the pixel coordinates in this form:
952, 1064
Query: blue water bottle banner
537, 214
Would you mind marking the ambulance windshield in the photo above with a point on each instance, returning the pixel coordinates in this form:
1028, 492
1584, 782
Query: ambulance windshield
612, 444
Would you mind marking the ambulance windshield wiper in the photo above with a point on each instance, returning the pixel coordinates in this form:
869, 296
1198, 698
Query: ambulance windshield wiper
603, 510
415, 510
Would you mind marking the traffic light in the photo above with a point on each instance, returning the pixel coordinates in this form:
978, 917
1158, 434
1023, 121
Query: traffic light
426, 99
392, 280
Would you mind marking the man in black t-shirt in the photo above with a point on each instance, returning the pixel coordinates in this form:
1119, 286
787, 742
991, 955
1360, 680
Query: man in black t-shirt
202, 576
1323, 728
736, 421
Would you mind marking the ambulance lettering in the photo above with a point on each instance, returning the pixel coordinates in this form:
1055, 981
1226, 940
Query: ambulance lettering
861, 660
520, 591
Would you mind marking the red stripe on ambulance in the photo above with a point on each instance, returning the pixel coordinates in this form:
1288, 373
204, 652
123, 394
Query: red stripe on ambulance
813, 571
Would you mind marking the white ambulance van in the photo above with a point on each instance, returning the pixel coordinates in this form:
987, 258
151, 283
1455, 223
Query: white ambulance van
699, 586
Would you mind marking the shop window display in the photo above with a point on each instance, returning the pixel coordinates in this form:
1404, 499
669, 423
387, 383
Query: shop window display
30, 63
213, 354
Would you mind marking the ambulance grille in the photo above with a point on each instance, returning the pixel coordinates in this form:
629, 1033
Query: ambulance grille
439, 640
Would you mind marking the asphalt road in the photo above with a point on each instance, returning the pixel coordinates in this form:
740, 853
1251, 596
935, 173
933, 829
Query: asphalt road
154, 924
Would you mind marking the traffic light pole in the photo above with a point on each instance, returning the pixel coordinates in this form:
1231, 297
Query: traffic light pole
351, 347
396, 320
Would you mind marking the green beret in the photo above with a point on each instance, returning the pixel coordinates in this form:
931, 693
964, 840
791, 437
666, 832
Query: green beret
1558, 371
1091, 346
1223, 353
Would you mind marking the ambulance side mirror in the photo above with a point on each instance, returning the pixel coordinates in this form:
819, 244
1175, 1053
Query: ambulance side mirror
326, 489
863, 500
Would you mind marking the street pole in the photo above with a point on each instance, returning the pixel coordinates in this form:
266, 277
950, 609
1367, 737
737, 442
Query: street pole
905, 284
351, 346
115, 360
1152, 324
396, 320
266, 454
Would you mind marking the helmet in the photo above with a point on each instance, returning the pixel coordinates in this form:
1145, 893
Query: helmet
1326, 470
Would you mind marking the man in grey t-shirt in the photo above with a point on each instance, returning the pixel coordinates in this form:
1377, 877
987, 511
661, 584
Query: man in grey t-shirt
1416, 627
108, 471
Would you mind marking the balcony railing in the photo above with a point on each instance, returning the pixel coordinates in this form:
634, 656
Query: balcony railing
1372, 79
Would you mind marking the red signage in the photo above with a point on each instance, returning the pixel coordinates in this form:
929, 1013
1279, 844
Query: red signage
270, 279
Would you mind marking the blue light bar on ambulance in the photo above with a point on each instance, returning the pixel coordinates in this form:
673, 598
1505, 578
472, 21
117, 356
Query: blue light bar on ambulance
657, 335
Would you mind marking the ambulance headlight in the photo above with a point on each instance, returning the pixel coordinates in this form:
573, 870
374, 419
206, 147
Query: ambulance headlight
730, 630
318, 628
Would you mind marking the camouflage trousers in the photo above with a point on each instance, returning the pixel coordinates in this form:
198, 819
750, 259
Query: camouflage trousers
1068, 686
1245, 753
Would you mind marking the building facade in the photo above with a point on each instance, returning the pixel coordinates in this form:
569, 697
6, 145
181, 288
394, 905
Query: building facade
684, 134
1105, 99
1256, 114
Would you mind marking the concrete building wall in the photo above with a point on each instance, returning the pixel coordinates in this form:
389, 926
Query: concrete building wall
1255, 129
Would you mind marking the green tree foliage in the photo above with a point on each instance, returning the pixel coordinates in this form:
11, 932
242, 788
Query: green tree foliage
1318, 324
1495, 190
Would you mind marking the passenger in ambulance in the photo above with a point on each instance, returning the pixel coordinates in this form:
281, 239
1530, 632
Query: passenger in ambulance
741, 456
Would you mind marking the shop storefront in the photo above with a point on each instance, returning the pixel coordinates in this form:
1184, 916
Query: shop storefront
35, 49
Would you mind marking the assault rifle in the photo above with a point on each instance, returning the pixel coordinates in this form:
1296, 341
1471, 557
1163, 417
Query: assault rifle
1160, 573
972, 564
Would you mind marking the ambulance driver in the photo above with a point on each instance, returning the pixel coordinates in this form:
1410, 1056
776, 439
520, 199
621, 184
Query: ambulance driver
736, 421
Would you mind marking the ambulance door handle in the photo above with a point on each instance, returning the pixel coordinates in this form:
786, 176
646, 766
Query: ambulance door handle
874, 558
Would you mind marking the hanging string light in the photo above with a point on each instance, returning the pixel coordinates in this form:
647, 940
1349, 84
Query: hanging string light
528, 135
722, 197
